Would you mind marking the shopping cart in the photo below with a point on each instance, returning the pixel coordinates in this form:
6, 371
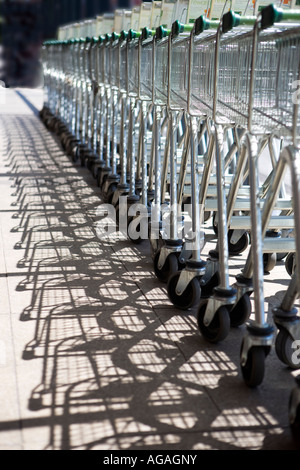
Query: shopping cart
105, 170
122, 188
164, 236
112, 176
128, 78
94, 157
133, 93
183, 286
100, 109
167, 255
138, 214
192, 69
264, 106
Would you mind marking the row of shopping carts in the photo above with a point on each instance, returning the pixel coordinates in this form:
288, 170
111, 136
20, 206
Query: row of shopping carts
174, 122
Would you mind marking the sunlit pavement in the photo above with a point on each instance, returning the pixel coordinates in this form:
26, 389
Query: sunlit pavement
92, 353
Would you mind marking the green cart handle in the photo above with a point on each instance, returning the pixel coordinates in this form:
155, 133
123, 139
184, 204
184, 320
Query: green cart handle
132, 34
179, 28
147, 33
203, 24
162, 32
114, 37
123, 35
271, 14
231, 20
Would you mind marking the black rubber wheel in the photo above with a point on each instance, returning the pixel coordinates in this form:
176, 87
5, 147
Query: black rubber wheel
207, 215
110, 192
189, 298
294, 417
280, 256
169, 268
103, 181
289, 264
240, 246
254, 370
117, 209
208, 287
269, 261
75, 154
218, 328
137, 240
241, 311
99, 178
215, 223
284, 349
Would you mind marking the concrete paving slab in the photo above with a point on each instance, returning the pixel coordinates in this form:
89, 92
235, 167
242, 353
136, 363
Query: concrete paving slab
98, 357
10, 434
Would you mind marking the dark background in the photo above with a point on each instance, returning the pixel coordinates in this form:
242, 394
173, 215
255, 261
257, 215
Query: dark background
25, 24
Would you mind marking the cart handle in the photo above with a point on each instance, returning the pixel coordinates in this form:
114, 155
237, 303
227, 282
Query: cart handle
202, 24
231, 19
123, 35
115, 37
271, 14
147, 33
162, 32
178, 28
132, 34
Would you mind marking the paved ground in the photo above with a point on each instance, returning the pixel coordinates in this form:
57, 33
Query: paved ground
93, 355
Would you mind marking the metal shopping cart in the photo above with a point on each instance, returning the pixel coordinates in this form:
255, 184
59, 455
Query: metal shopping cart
128, 78
263, 104
193, 68
100, 109
184, 287
159, 102
112, 176
105, 170
166, 259
165, 238
138, 214
122, 188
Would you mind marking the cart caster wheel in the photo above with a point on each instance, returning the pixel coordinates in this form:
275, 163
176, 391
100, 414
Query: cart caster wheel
269, 261
290, 263
284, 349
110, 193
137, 240
207, 215
241, 311
254, 370
280, 256
189, 298
169, 268
215, 223
218, 328
103, 181
294, 414
208, 288
240, 246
